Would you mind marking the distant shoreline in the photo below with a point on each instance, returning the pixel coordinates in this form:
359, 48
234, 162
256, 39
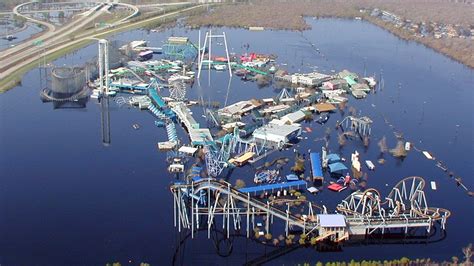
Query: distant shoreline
460, 50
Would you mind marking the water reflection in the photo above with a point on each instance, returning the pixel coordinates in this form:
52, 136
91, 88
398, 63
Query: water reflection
223, 246
105, 121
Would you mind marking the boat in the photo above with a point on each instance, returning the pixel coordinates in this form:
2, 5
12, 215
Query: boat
136, 126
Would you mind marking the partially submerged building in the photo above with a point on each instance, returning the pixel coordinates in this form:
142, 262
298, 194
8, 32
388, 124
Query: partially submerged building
294, 117
276, 136
336, 84
238, 109
309, 79
333, 226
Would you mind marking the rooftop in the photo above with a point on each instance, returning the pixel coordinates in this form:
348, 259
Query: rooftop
200, 136
332, 220
294, 117
279, 130
325, 107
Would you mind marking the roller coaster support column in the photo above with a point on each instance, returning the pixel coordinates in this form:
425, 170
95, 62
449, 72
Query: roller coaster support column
210, 36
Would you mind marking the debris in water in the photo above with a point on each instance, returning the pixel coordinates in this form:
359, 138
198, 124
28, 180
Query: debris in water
428, 155
441, 166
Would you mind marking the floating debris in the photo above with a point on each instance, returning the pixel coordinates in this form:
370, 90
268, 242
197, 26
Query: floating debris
428, 155
441, 166
370, 164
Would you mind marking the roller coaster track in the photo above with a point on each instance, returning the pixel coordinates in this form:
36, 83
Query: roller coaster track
225, 188
406, 203
46, 95
404, 208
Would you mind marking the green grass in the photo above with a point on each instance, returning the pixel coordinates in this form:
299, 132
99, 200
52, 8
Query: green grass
14, 79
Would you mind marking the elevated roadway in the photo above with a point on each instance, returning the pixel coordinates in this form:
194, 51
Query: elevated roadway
87, 36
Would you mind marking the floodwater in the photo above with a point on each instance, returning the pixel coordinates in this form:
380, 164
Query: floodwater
30, 30
66, 199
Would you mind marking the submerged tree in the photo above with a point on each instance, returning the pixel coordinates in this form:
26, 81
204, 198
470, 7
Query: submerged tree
239, 183
299, 165
383, 145
399, 150
366, 141
341, 139
352, 111
467, 251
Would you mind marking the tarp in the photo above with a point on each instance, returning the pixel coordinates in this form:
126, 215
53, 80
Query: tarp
316, 165
271, 187
332, 158
337, 167
350, 80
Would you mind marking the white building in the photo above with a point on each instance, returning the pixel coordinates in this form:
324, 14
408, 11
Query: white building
310, 79
276, 136
294, 117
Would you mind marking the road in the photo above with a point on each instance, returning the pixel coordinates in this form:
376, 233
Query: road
25, 51
12, 68
49, 33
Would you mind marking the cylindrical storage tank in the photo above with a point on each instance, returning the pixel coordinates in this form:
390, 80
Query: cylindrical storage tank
67, 80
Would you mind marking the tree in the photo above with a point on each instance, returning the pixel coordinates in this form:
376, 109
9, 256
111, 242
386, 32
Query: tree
404, 261
467, 251
455, 260
399, 150
341, 139
383, 145
239, 183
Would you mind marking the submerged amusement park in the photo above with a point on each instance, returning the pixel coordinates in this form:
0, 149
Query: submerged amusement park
236, 146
